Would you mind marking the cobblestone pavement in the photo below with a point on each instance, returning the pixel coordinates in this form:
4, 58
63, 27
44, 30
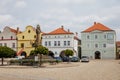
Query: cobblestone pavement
94, 70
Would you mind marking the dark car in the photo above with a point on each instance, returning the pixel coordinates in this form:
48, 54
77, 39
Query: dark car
84, 59
58, 58
65, 59
75, 59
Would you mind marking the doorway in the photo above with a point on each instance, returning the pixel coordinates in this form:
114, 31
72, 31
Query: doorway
24, 54
97, 55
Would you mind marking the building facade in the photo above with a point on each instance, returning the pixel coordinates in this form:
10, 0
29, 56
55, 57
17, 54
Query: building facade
59, 40
8, 38
98, 42
25, 40
118, 50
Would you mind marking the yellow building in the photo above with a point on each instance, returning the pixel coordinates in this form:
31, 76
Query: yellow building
25, 41
118, 50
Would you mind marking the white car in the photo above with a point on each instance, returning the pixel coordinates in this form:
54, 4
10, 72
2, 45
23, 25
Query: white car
84, 59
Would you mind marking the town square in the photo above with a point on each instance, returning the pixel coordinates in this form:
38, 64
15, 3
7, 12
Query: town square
94, 70
59, 40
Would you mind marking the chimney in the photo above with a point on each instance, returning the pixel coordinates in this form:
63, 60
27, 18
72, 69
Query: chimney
17, 29
76, 34
94, 23
62, 27
68, 30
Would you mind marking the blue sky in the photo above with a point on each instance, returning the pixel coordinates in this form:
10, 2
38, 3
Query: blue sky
76, 15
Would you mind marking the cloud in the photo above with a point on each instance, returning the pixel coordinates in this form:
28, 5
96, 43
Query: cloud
20, 4
70, 1
5, 18
117, 33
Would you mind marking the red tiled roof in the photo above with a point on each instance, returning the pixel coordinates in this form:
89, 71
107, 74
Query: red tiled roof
97, 26
118, 43
59, 31
13, 30
76, 38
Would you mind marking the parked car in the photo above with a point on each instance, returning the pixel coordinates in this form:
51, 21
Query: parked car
58, 58
65, 59
84, 59
75, 59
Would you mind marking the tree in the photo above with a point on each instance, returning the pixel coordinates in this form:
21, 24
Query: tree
41, 50
68, 52
6, 52
32, 52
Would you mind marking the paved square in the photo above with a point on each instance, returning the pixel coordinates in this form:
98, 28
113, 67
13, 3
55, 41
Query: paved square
94, 70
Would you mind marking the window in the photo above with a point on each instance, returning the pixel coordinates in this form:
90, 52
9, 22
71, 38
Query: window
96, 45
2, 38
49, 43
68, 43
64, 43
5, 44
22, 45
11, 37
96, 36
88, 37
58, 43
110, 36
13, 45
104, 36
34, 36
45, 43
65, 36
104, 45
88, 45
23, 37
55, 43
55, 53
29, 31
68, 36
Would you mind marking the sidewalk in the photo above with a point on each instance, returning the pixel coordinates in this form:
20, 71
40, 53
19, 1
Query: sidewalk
45, 65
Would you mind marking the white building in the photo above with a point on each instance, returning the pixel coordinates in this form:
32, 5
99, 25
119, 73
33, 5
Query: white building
98, 42
8, 38
59, 40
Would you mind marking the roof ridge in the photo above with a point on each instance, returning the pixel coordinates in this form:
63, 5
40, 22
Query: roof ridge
98, 26
60, 30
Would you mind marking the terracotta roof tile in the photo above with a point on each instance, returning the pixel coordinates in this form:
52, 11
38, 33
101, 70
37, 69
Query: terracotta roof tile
59, 31
97, 26
13, 30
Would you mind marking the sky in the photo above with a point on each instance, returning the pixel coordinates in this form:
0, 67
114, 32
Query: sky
76, 15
